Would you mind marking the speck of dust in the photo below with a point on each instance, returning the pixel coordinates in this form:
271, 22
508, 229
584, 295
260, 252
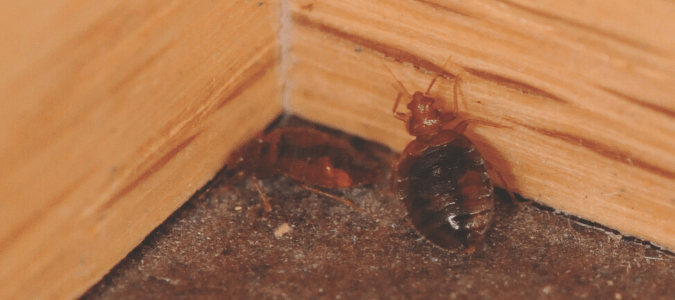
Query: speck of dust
547, 289
281, 230
617, 296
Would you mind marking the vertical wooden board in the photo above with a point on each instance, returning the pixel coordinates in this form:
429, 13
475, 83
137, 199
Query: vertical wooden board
113, 114
587, 95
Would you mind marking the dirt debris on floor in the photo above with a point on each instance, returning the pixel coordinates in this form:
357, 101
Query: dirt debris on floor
218, 246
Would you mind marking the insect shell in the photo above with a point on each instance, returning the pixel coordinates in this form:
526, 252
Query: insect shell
309, 156
441, 178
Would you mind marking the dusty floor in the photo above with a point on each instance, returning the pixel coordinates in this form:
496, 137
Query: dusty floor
218, 246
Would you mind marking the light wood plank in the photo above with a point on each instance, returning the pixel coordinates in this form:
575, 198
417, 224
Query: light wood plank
113, 114
587, 90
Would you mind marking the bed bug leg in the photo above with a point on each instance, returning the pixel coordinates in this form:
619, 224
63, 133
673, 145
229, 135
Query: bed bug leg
455, 95
334, 197
504, 184
447, 117
266, 201
430, 85
402, 91
461, 127
398, 115
447, 61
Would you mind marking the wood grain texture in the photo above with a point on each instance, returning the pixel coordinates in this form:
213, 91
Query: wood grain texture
586, 89
112, 115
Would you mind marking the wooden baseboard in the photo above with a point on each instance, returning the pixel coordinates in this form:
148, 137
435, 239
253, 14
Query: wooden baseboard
114, 113
121, 113
587, 94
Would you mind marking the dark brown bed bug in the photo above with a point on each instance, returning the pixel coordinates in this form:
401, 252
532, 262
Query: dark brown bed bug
441, 177
313, 158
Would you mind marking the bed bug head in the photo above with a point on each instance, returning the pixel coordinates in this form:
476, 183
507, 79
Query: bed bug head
425, 119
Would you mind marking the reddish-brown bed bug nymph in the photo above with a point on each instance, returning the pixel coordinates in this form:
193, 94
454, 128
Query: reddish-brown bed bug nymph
441, 177
310, 157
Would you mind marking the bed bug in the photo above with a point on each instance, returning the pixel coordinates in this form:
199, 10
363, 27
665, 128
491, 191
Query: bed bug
313, 158
441, 177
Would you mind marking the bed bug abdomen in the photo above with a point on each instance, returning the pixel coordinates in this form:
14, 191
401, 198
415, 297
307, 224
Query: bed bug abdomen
446, 190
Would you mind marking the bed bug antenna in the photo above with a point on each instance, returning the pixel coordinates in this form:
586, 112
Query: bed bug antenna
438, 75
402, 90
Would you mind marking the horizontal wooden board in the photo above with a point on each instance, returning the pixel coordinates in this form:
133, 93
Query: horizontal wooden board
586, 92
113, 114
